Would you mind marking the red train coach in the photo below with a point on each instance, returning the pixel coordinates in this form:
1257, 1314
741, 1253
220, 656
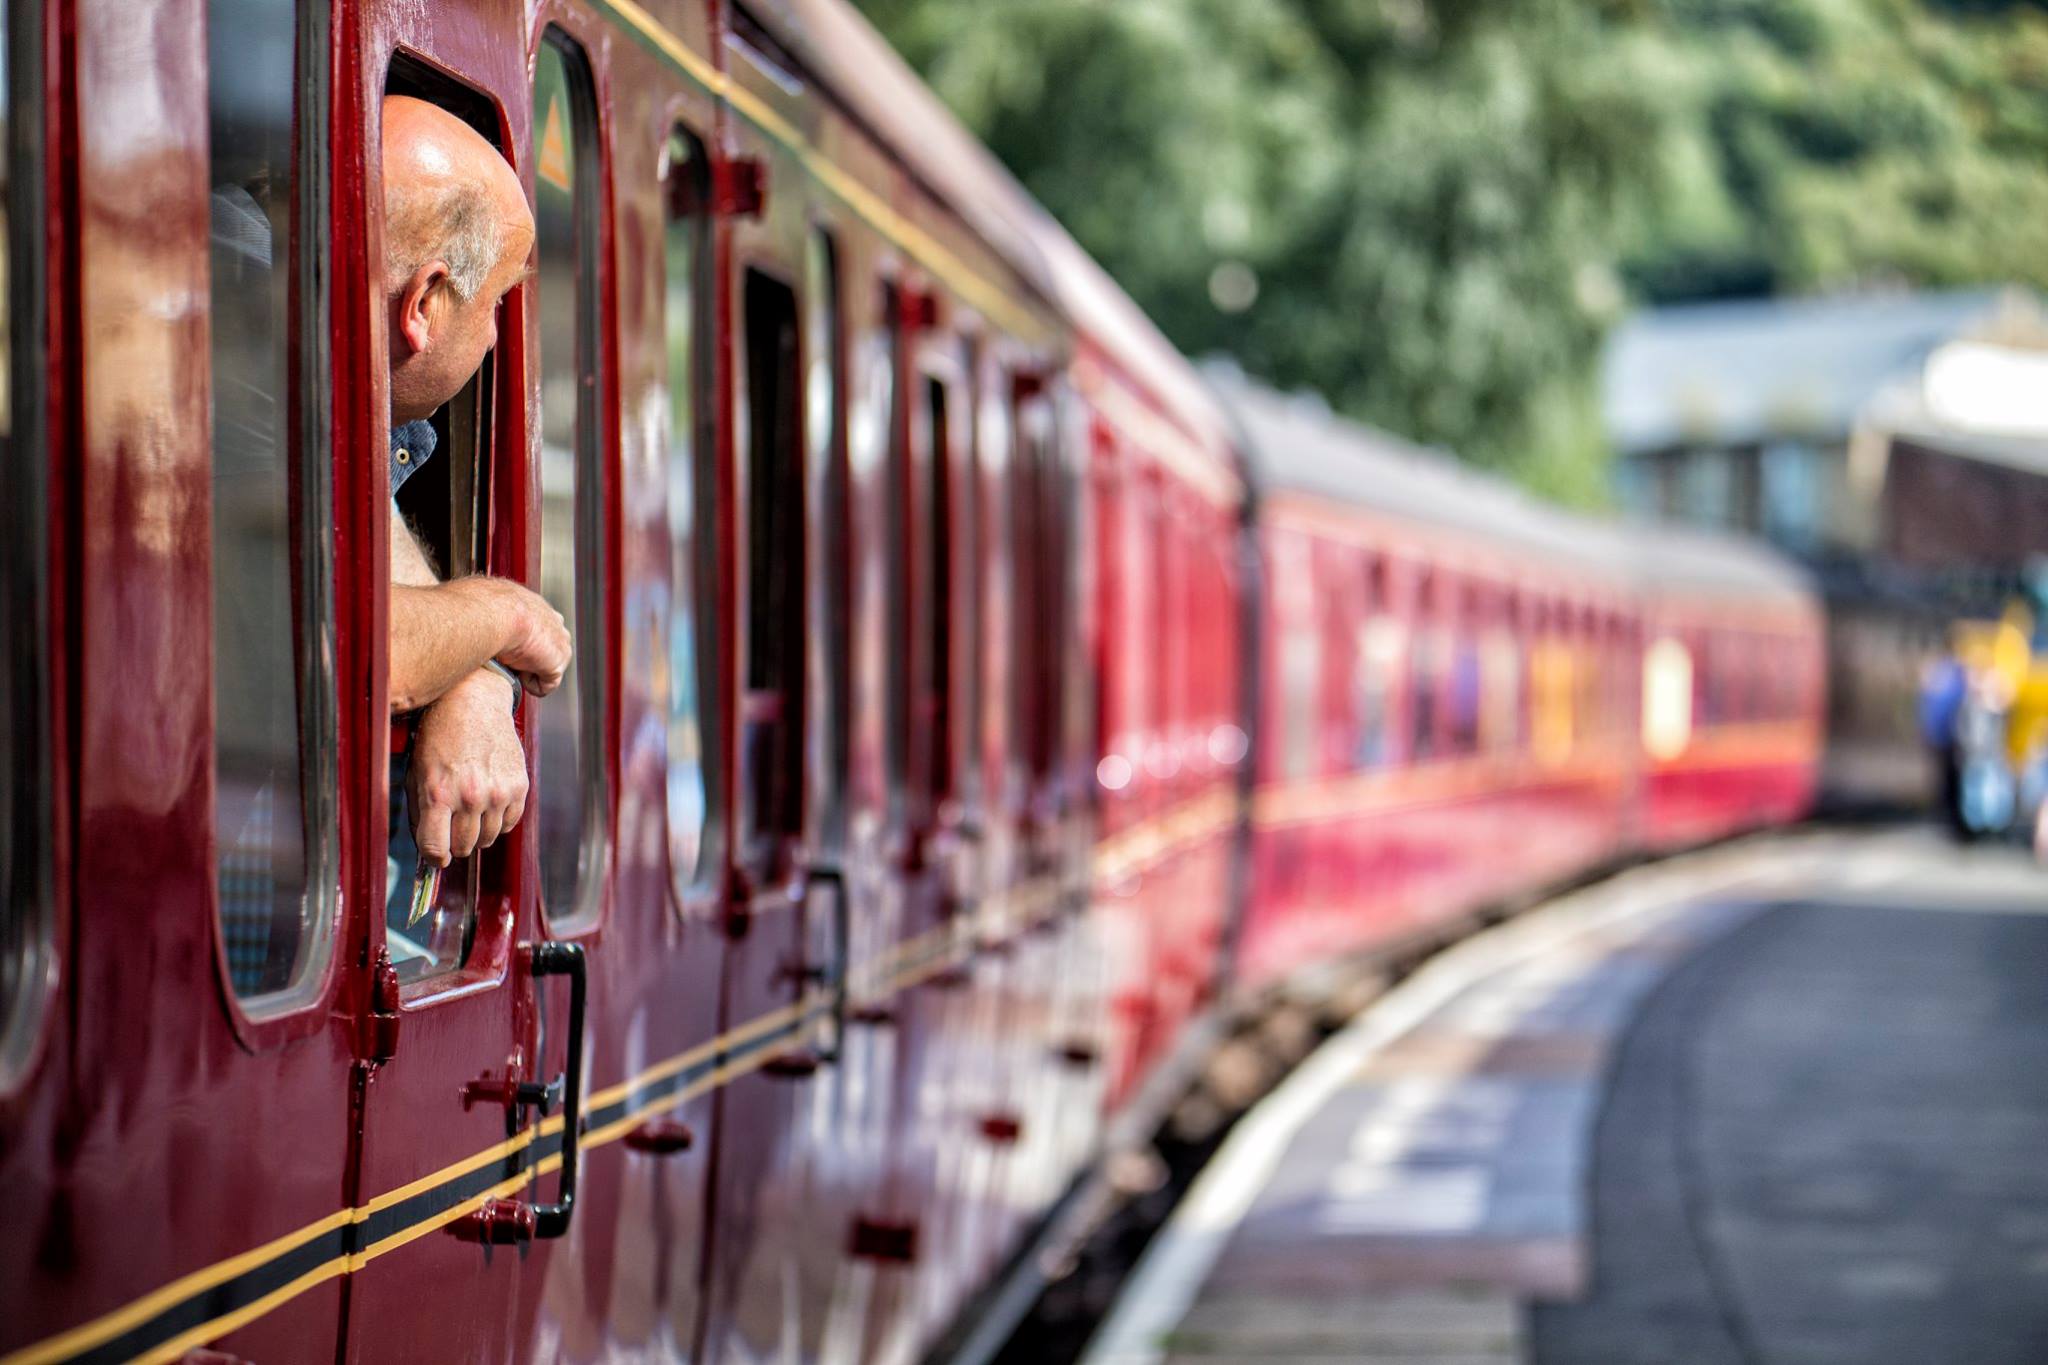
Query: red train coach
1466, 697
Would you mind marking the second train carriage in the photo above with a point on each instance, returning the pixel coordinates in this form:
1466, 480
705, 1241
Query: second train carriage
897, 803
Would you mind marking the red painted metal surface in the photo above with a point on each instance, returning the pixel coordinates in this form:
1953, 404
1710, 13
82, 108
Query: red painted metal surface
830, 1087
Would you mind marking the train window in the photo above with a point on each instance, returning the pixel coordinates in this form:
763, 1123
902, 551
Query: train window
964, 487
445, 508
1426, 666
897, 613
935, 718
1026, 648
273, 621
691, 675
1054, 603
993, 494
772, 718
25, 835
825, 482
1375, 662
569, 779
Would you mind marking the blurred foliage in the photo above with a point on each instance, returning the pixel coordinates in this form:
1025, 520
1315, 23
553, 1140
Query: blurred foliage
1445, 203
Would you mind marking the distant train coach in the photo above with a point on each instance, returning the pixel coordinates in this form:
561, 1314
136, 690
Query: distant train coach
969, 700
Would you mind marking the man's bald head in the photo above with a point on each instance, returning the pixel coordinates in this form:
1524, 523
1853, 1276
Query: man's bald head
447, 193
456, 236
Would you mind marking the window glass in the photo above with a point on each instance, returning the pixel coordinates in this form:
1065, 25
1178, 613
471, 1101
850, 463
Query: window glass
899, 680
995, 606
772, 720
683, 297
935, 719
24, 754
569, 776
1027, 648
272, 633
825, 479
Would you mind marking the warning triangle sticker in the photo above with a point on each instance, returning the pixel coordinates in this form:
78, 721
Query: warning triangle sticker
554, 151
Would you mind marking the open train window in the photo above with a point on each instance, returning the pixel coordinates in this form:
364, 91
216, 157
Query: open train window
936, 688
570, 784
27, 925
275, 823
825, 479
445, 506
772, 715
691, 668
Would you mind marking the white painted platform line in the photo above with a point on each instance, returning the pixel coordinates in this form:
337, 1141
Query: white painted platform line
1170, 1275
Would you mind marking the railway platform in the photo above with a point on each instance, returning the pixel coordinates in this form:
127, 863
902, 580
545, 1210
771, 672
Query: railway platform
1782, 1100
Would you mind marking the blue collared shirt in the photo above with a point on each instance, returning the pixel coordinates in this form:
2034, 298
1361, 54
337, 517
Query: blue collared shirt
412, 445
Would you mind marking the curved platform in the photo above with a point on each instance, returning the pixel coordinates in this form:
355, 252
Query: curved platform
1781, 1100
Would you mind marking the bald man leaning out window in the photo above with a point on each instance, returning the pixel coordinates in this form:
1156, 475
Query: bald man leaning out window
457, 235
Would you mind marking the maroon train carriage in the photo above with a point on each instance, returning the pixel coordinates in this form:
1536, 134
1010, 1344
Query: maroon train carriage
1465, 696
882, 843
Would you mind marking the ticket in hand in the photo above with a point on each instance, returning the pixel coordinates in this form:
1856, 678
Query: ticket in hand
426, 889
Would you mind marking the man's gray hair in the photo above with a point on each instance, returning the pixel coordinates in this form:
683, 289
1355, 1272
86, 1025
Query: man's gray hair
454, 223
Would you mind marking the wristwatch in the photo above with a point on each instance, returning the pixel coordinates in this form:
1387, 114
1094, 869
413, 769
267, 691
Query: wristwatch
509, 676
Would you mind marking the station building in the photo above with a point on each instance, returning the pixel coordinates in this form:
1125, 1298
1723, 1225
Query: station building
1896, 443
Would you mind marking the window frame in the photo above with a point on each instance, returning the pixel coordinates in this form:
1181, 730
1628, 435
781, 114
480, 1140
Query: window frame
595, 514
265, 1022
30, 878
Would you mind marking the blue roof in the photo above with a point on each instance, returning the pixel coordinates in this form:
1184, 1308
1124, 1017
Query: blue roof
1746, 371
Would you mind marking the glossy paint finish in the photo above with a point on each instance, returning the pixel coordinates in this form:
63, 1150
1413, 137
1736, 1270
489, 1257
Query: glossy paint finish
832, 1083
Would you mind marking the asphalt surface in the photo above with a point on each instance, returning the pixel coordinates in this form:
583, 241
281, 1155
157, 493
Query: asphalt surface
1825, 1139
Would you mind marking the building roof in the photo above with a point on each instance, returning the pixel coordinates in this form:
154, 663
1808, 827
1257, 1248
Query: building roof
1736, 373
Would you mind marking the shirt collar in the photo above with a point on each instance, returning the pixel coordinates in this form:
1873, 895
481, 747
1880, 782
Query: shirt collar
412, 445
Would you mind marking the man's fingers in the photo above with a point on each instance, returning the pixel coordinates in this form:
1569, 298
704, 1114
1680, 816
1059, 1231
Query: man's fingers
489, 826
431, 834
462, 833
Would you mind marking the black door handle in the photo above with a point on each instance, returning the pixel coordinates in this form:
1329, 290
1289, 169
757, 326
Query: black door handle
565, 959
826, 874
506, 1221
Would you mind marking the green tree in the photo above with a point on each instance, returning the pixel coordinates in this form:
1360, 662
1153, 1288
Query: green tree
1431, 210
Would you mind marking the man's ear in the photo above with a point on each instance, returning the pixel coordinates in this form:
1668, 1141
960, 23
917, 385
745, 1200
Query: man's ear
421, 303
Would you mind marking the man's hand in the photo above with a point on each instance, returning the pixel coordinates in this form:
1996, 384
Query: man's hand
538, 649
468, 775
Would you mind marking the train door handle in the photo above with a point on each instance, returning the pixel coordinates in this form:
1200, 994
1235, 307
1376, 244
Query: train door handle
832, 876
512, 1220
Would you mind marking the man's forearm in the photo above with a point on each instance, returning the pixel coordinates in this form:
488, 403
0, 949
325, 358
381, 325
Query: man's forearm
442, 634
439, 634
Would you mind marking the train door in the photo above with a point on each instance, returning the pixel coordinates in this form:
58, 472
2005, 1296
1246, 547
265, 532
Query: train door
492, 1070
449, 1144
762, 1241
956, 1010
